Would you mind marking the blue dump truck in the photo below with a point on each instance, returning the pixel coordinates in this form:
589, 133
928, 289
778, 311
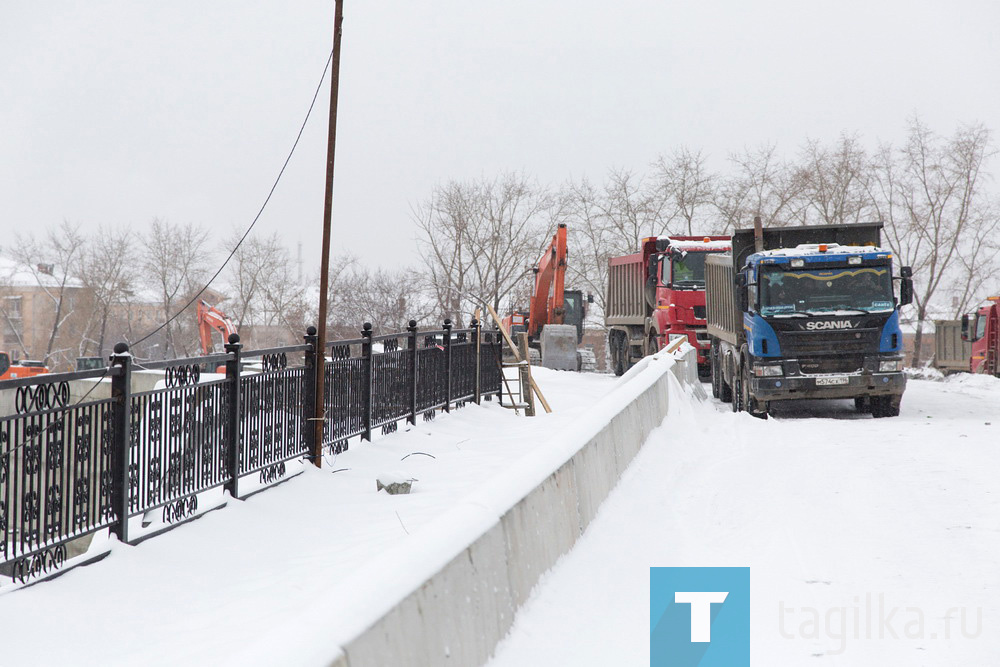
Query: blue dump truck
807, 312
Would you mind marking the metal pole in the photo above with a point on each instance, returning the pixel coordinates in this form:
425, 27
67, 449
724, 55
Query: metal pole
412, 329
367, 397
324, 271
447, 364
121, 429
233, 346
477, 331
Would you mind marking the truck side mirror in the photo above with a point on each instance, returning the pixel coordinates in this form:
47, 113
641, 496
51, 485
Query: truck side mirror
741, 280
965, 328
651, 270
906, 271
905, 291
744, 298
590, 297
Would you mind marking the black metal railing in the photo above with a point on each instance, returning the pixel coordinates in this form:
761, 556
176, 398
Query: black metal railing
79, 457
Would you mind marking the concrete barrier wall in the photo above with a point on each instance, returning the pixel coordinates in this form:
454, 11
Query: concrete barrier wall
460, 613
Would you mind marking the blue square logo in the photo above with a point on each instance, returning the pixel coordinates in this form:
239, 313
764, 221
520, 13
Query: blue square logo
699, 616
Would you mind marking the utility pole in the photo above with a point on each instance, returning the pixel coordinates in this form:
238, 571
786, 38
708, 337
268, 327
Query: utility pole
319, 418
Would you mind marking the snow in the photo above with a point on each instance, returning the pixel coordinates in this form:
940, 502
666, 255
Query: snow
17, 274
711, 246
834, 313
826, 506
832, 511
284, 576
804, 249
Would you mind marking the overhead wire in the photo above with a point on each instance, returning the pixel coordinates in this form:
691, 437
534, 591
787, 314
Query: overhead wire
232, 253
256, 217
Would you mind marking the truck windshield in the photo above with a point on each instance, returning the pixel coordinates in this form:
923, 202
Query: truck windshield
798, 291
688, 269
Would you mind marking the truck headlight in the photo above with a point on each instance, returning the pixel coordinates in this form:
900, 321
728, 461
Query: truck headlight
770, 370
890, 366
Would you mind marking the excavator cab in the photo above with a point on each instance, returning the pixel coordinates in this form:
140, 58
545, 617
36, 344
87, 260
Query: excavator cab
575, 311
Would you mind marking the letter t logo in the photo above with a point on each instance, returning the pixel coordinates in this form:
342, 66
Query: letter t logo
701, 612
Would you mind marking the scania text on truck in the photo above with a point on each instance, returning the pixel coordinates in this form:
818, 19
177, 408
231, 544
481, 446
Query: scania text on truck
656, 293
982, 330
807, 312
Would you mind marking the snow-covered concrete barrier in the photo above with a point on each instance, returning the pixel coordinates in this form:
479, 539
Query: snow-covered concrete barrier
475, 566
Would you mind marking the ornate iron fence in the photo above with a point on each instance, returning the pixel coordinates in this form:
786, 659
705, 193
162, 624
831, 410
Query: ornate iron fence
70, 467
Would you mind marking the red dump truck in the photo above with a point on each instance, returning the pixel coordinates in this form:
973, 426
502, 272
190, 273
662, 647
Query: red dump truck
658, 292
982, 329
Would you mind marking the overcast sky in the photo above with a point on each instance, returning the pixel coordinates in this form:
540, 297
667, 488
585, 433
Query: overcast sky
115, 112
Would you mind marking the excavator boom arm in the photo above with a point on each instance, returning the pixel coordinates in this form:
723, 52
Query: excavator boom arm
551, 269
211, 318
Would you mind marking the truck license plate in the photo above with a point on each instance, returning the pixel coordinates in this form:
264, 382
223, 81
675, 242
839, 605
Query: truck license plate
834, 380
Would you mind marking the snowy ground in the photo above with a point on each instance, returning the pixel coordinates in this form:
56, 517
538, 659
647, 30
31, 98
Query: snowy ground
241, 585
835, 514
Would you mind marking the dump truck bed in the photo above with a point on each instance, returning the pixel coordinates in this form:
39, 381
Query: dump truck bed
625, 303
725, 321
951, 353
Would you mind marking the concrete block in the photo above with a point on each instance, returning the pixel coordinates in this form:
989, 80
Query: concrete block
559, 347
458, 615
597, 473
539, 529
456, 618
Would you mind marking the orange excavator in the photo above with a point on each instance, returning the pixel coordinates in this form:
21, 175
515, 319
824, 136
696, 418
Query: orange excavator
19, 369
552, 304
211, 318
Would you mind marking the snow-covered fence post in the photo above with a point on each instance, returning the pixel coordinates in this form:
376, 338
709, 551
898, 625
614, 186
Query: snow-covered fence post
447, 364
412, 345
477, 331
121, 441
366, 355
309, 410
235, 442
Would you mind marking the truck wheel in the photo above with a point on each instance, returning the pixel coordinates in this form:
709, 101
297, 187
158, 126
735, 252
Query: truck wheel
617, 353
652, 347
725, 390
713, 360
886, 406
750, 403
736, 391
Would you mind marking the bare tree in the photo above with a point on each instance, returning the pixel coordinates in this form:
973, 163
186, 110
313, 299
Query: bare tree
107, 272
763, 184
386, 298
835, 181
477, 237
591, 238
929, 193
634, 207
52, 262
175, 266
263, 293
688, 187
978, 260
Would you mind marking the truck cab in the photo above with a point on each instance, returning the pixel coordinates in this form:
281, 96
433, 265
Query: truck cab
677, 265
823, 318
809, 320
982, 330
